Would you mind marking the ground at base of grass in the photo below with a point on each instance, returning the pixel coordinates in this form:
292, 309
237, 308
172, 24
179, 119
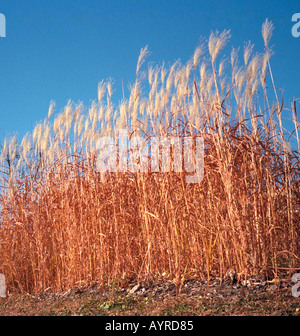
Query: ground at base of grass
193, 298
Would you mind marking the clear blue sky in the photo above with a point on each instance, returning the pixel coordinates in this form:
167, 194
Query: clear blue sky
61, 49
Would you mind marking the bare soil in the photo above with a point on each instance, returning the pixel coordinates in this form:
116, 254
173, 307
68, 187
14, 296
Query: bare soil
191, 298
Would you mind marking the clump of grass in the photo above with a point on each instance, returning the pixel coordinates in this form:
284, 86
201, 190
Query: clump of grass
64, 224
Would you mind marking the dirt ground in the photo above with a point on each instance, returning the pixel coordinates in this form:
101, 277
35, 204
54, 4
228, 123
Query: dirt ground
192, 298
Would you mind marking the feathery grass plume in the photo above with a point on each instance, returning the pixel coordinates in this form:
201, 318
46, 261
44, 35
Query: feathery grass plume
150, 74
51, 108
196, 57
239, 79
142, 57
234, 59
92, 112
223, 85
203, 78
109, 111
217, 42
265, 61
134, 99
123, 111
253, 69
248, 48
45, 138
222, 67
78, 111
109, 87
153, 88
255, 86
171, 75
100, 113
142, 106
295, 121
78, 126
163, 74
56, 125
37, 132
12, 148
101, 90
188, 69
4, 151
203, 71
86, 128
25, 144
267, 30
68, 111
210, 84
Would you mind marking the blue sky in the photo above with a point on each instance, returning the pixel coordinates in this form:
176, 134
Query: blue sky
61, 49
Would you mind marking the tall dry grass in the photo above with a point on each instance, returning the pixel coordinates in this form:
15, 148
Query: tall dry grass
64, 224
